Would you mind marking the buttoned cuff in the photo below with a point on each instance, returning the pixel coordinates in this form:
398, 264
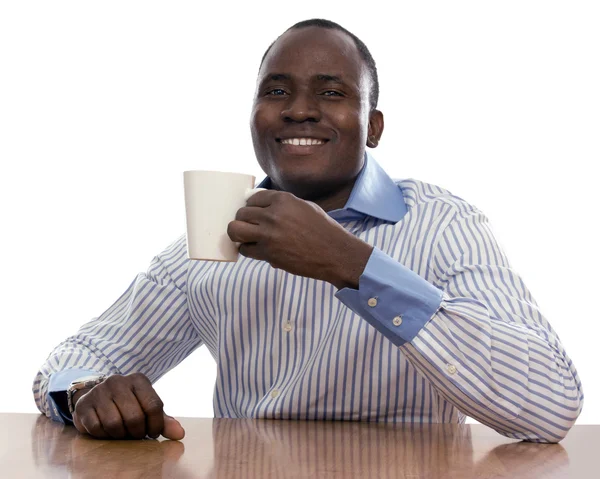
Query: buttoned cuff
57, 392
393, 299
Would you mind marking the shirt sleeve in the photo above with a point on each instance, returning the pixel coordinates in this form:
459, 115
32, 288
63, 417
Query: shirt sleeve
399, 313
57, 392
475, 332
147, 330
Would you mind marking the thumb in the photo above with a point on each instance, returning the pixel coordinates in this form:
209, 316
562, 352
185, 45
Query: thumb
172, 429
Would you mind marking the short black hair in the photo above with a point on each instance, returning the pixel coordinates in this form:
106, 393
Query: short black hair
362, 49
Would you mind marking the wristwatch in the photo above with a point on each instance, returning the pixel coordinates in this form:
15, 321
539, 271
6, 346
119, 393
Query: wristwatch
86, 382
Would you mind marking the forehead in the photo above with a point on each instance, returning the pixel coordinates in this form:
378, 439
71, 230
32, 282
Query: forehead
311, 50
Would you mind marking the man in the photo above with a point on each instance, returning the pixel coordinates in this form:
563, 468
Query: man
358, 298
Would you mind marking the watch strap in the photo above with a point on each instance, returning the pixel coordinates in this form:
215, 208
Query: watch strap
75, 386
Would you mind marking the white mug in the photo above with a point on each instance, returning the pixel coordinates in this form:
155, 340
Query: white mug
212, 199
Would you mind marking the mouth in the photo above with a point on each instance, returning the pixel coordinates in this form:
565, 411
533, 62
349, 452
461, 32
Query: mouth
301, 146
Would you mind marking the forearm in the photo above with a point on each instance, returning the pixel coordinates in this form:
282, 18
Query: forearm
146, 330
515, 379
481, 343
512, 372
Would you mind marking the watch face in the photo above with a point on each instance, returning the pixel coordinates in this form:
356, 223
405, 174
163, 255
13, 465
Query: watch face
87, 381
84, 379
82, 383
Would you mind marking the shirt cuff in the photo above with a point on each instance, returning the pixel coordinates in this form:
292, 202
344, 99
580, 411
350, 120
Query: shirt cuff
57, 392
393, 299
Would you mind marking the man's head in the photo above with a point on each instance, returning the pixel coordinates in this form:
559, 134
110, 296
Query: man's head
317, 82
358, 43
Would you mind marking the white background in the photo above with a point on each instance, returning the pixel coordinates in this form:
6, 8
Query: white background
104, 104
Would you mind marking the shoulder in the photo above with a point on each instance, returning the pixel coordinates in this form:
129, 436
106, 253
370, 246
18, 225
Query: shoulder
422, 195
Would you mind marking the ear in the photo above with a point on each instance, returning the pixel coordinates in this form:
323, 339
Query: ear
375, 128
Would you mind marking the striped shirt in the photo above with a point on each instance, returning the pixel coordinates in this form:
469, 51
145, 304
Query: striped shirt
440, 328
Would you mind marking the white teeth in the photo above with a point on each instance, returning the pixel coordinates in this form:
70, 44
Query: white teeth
302, 141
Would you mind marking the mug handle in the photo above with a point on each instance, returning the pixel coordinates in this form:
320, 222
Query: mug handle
251, 191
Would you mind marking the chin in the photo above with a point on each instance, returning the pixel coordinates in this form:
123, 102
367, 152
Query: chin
307, 187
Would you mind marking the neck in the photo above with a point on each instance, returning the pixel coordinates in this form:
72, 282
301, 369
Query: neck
333, 199
336, 200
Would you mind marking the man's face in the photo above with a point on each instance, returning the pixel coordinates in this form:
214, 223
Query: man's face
313, 89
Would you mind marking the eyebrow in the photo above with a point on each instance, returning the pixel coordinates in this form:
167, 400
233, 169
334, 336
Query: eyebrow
277, 77
286, 77
332, 78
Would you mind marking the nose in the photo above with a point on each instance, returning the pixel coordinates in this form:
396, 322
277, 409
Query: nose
300, 107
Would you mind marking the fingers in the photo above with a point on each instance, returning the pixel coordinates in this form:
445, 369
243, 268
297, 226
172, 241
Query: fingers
151, 405
173, 429
78, 425
111, 419
242, 232
89, 423
250, 214
250, 250
264, 198
133, 416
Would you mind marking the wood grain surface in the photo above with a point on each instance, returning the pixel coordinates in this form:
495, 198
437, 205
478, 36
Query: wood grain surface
33, 446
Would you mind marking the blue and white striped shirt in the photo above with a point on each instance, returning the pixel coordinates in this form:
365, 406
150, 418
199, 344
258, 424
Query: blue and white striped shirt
440, 328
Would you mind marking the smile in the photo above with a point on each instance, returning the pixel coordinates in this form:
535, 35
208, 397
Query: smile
302, 141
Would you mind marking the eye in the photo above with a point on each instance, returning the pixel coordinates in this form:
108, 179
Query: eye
332, 93
276, 92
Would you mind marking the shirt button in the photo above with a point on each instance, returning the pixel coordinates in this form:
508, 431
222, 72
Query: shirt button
287, 326
372, 302
397, 321
274, 393
451, 368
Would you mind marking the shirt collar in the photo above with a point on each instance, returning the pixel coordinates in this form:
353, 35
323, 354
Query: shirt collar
374, 194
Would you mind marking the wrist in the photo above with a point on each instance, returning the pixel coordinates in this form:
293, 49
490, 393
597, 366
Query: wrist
349, 263
81, 386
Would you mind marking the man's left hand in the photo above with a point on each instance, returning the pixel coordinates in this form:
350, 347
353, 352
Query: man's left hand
299, 237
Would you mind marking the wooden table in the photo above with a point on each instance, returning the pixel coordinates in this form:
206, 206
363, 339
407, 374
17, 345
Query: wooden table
33, 446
